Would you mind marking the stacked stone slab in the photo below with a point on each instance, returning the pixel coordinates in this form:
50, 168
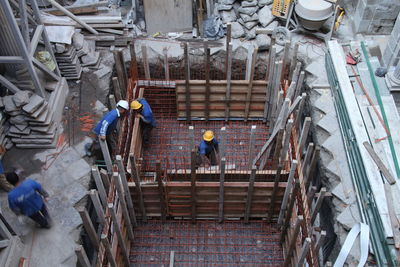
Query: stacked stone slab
246, 17
71, 58
34, 121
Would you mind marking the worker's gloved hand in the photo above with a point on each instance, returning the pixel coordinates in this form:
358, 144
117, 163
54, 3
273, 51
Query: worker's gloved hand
102, 137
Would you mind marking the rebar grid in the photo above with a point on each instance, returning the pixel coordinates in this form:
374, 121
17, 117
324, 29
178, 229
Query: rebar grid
170, 142
207, 243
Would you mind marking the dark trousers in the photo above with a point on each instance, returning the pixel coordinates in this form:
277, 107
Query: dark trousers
146, 131
212, 156
42, 217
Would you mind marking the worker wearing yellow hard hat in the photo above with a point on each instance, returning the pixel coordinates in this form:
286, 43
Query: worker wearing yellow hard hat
208, 150
143, 110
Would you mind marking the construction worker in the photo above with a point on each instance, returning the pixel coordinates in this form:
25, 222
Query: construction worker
108, 124
143, 110
28, 198
4, 184
208, 150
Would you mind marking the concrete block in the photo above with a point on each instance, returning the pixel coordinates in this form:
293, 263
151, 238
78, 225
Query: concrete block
329, 124
344, 193
248, 10
263, 41
237, 30
265, 16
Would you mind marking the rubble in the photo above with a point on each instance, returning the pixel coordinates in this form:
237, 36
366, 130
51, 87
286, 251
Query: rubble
263, 42
265, 16
237, 30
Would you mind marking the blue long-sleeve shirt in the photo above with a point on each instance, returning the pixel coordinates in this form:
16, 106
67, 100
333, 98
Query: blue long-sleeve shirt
108, 123
207, 147
26, 198
1, 167
147, 113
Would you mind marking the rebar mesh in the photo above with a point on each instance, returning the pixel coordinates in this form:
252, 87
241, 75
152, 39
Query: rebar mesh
207, 243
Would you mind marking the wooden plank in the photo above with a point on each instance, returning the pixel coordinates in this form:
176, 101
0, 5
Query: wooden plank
381, 166
117, 229
24, 23
250, 84
124, 207
107, 247
221, 190
166, 64
228, 78
94, 196
207, 73
187, 78
293, 62
134, 70
286, 141
228, 47
105, 179
292, 241
299, 113
274, 193
121, 71
307, 158
89, 228
288, 190
106, 155
291, 91
318, 205
171, 258
299, 84
10, 86
146, 65
99, 185
35, 39
117, 89
82, 257
72, 16
193, 184
304, 134
163, 205
249, 197
392, 215
252, 144
293, 197
125, 186
319, 242
308, 177
136, 178
304, 251
285, 59
11, 59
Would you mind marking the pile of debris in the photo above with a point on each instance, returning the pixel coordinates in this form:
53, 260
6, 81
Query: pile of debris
34, 122
247, 17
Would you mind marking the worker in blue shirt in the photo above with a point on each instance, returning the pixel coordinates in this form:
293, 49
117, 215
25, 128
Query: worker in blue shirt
4, 184
108, 124
208, 150
27, 198
147, 122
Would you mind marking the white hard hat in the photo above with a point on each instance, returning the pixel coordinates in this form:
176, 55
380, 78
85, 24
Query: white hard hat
123, 104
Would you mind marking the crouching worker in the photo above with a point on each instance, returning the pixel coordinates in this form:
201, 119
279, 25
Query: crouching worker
27, 198
107, 126
208, 150
143, 110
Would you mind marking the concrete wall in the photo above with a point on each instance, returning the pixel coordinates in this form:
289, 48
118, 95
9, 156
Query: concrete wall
375, 16
391, 55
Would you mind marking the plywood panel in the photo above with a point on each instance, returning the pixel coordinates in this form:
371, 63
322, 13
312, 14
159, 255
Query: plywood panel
168, 15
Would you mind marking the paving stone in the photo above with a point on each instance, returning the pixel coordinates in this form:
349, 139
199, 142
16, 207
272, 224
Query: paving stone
21, 98
248, 10
247, 18
349, 217
263, 42
248, 25
237, 30
329, 123
78, 169
21, 127
228, 16
262, 3
9, 104
249, 3
344, 193
80, 148
325, 104
265, 16
20, 119
35, 102
222, 7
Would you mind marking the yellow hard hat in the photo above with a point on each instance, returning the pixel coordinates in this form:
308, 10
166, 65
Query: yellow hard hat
136, 104
208, 136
